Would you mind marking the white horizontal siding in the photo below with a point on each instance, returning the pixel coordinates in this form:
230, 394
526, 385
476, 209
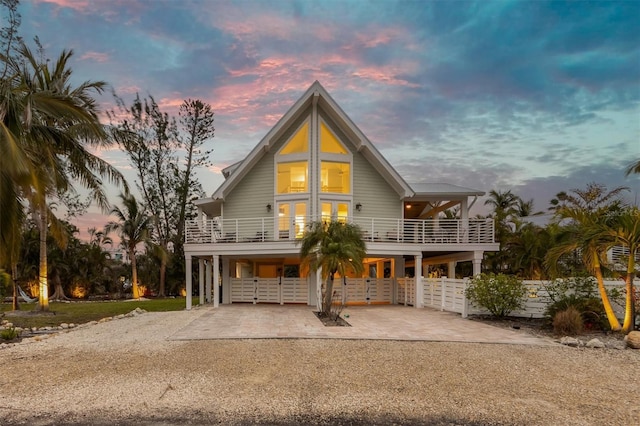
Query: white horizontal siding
377, 197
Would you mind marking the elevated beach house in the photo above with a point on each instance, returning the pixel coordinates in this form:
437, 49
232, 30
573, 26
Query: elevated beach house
315, 164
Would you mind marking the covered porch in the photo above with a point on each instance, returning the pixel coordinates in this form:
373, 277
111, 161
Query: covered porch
395, 279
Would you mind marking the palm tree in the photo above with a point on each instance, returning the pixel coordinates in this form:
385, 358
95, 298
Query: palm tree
584, 234
633, 168
48, 126
504, 207
133, 227
503, 203
527, 249
625, 231
334, 247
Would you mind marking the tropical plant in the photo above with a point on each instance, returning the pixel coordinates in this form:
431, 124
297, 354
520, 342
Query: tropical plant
133, 226
49, 126
568, 321
589, 213
334, 247
579, 293
499, 294
527, 248
633, 168
625, 231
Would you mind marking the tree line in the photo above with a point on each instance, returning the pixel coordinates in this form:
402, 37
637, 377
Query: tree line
49, 134
586, 225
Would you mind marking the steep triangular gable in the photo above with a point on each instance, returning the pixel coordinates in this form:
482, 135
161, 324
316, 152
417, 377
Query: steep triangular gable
317, 94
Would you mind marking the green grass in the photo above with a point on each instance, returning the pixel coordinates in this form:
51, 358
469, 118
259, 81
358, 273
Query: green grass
83, 312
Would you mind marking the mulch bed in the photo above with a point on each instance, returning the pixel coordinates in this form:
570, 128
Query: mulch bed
331, 322
541, 327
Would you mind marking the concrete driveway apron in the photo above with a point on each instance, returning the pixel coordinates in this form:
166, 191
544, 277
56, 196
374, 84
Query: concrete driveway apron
376, 322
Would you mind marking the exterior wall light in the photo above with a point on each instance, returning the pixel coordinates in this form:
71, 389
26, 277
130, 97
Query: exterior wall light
359, 207
269, 207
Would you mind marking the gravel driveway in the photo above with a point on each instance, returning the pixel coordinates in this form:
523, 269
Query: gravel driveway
127, 371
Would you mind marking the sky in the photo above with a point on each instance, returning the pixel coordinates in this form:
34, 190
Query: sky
534, 97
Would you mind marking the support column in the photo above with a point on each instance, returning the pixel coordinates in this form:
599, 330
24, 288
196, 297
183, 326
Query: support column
216, 281
201, 266
398, 272
477, 262
464, 216
451, 270
208, 282
419, 301
188, 279
226, 281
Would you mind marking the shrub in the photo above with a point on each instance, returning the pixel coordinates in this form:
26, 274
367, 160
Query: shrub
500, 294
9, 334
568, 322
580, 293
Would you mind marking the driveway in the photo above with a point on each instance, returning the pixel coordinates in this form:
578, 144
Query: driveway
386, 322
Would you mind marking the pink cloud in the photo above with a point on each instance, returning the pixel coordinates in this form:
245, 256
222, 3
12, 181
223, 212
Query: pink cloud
95, 56
128, 90
217, 169
387, 75
79, 5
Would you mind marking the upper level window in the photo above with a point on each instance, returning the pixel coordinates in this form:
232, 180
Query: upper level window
299, 143
329, 143
293, 177
335, 177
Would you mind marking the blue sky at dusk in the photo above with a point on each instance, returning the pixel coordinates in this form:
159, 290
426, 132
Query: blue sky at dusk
532, 96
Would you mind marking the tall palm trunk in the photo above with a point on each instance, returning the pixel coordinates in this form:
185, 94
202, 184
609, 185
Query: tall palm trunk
606, 303
14, 279
629, 310
328, 295
43, 297
134, 275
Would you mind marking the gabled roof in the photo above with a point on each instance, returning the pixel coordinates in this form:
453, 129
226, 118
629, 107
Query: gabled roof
315, 94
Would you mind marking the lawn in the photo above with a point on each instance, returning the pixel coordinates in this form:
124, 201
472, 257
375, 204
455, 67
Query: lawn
82, 312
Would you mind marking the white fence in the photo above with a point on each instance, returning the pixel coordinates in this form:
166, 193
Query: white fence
355, 291
447, 294
406, 291
269, 290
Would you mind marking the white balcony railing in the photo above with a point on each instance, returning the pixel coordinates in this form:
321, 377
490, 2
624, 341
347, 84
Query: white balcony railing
256, 230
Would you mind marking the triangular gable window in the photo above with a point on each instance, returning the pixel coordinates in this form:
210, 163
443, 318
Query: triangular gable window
298, 143
329, 143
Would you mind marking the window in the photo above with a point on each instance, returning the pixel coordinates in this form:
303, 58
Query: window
292, 177
329, 143
335, 177
299, 143
335, 211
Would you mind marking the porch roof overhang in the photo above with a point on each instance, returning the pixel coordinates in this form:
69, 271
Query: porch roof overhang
441, 191
209, 206
428, 198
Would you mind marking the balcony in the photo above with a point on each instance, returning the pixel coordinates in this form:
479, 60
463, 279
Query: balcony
374, 230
